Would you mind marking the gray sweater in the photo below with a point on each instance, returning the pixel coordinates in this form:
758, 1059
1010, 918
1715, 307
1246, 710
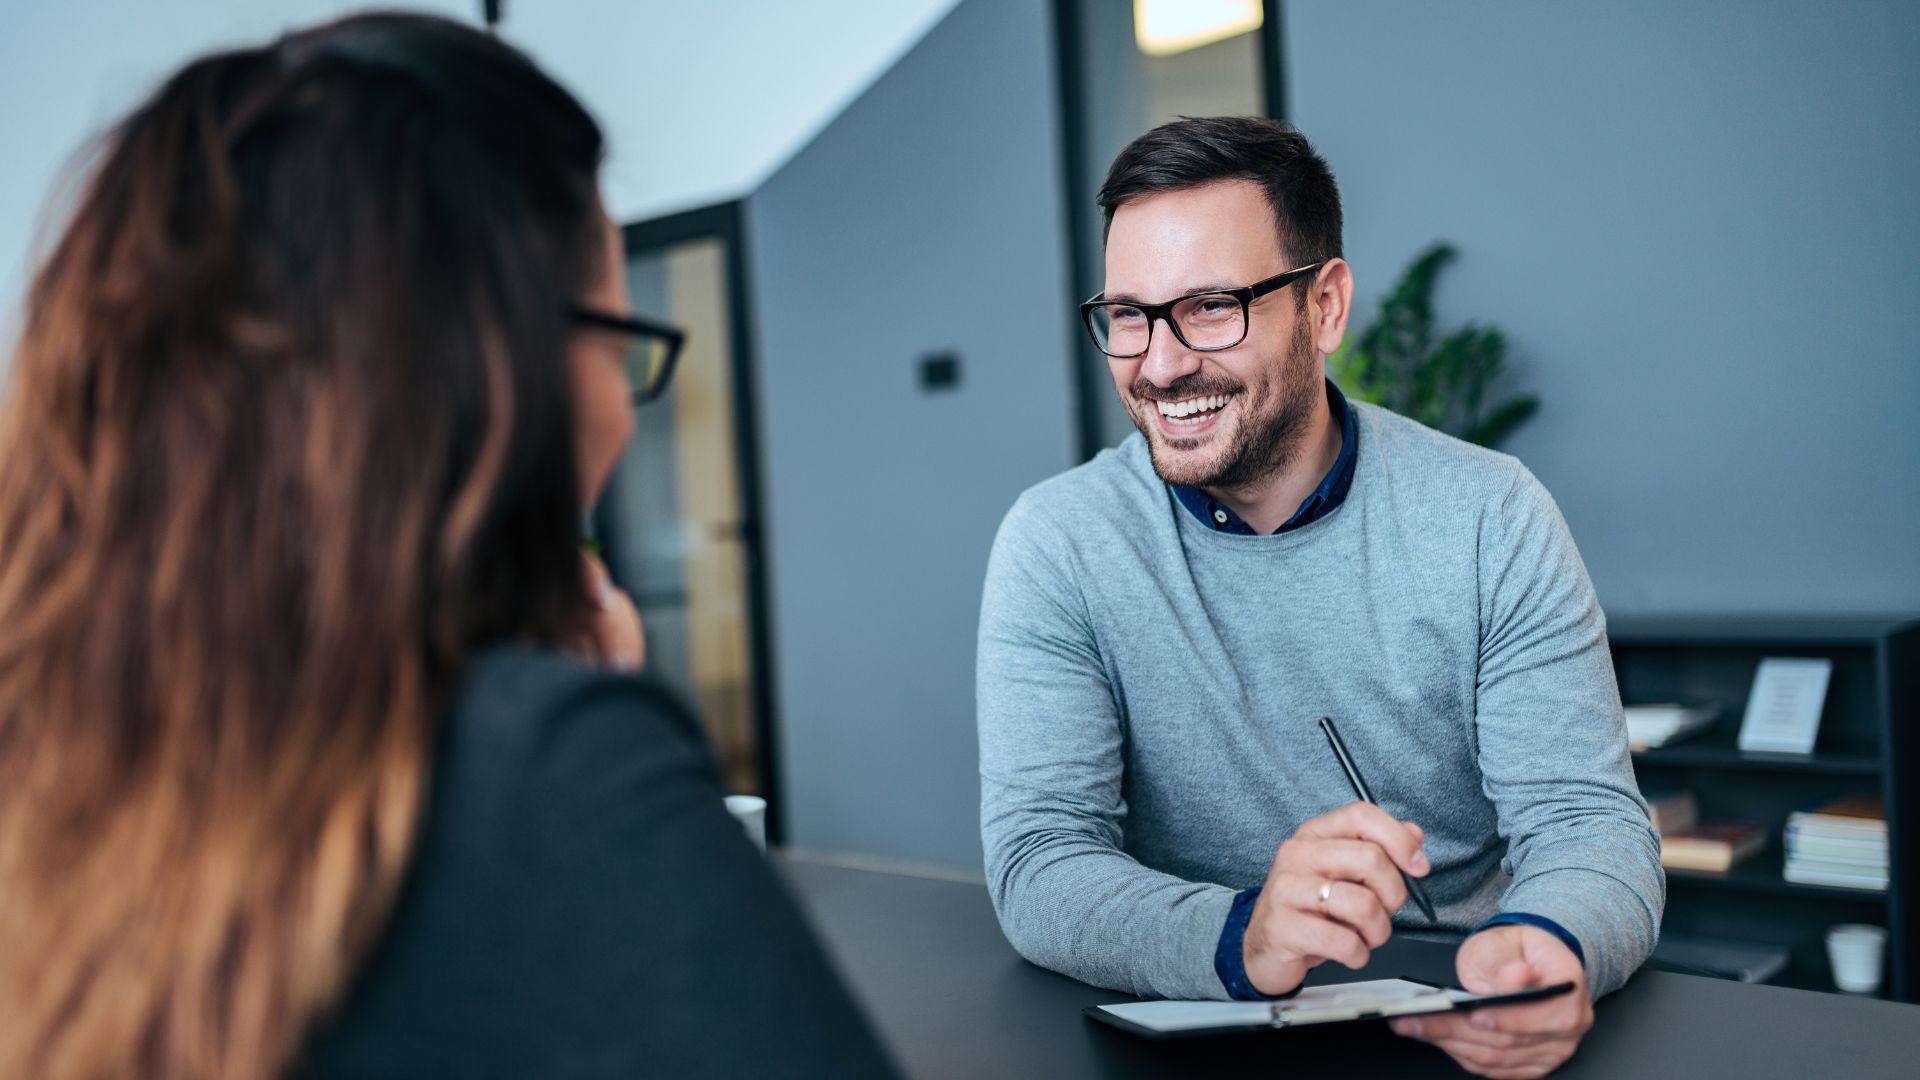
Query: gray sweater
1149, 691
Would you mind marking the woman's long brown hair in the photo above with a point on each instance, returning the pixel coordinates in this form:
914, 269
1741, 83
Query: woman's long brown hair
289, 439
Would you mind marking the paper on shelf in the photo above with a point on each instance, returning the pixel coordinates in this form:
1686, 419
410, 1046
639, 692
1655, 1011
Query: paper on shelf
1657, 725
1783, 711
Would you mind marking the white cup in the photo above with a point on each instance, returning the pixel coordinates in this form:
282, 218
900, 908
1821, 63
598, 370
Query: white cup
751, 812
1855, 950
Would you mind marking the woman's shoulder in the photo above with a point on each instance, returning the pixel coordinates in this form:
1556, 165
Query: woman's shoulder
535, 712
543, 756
530, 693
579, 893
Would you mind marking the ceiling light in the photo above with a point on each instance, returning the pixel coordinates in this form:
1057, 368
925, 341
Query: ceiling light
1165, 27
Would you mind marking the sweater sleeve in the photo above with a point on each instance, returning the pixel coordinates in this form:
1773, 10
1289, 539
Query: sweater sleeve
1552, 747
1052, 811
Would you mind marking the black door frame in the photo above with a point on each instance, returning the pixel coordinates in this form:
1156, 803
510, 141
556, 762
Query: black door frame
726, 222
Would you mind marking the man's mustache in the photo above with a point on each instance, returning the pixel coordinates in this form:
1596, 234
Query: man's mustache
1184, 389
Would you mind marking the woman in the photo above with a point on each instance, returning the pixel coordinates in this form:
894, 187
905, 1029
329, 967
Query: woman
298, 771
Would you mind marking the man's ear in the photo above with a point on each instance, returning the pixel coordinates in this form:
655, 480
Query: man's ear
1331, 302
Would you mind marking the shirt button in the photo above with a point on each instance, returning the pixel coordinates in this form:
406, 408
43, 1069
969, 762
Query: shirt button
1220, 516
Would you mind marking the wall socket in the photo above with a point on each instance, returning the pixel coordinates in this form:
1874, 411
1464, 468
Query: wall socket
939, 371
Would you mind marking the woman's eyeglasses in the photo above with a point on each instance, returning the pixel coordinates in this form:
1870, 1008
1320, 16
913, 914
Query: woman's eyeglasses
651, 350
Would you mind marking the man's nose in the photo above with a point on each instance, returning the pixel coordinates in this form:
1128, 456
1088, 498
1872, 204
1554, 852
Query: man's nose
1167, 360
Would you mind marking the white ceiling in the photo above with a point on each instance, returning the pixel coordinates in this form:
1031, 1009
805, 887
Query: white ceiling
701, 100
704, 100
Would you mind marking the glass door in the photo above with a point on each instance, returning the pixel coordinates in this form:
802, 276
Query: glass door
676, 521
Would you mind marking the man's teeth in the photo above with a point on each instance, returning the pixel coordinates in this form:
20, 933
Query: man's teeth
1174, 410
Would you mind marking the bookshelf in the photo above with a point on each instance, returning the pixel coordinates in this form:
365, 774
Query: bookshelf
1869, 743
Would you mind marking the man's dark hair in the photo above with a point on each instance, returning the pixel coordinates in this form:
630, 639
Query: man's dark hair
1192, 151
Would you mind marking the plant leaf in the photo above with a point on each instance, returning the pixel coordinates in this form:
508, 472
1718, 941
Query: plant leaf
1395, 361
1497, 427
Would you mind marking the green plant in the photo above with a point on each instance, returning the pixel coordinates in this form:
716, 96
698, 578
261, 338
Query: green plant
1395, 362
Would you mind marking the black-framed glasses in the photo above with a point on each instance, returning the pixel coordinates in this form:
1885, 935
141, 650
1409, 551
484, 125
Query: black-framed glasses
1204, 321
652, 348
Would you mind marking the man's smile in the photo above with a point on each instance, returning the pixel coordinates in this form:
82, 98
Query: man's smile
1189, 416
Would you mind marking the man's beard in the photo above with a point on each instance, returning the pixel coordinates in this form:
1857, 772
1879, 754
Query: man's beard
1259, 446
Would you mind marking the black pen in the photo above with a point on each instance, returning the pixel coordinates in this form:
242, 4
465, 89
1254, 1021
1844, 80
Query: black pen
1360, 791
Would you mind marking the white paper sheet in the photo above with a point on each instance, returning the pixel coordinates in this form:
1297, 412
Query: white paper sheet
1315, 1004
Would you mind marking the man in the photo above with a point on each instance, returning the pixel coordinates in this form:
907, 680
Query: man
1163, 627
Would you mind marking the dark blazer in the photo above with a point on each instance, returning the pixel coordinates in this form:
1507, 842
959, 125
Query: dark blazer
581, 904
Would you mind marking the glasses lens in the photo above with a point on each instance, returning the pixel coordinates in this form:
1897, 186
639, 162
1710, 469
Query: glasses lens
1211, 320
648, 358
1119, 329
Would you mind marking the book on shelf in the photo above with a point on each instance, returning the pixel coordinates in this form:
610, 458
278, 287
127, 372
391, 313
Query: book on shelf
1842, 843
1712, 848
1840, 875
1837, 848
1650, 726
1672, 810
1850, 816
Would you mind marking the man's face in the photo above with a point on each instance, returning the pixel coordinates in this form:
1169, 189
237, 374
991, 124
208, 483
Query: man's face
1213, 419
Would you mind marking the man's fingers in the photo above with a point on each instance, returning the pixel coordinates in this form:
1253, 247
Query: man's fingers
1348, 903
1364, 821
1505, 1064
1521, 1040
1498, 1064
1560, 1017
1359, 909
1515, 975
1492, 1044
1499, 975
1488, 1054
1333, 888
1360, 862
1433, 1028
1492, 1040
1486, 955
1316, 936
1459, 1027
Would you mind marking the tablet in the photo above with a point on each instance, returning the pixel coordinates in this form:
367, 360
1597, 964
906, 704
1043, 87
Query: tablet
1334, 1004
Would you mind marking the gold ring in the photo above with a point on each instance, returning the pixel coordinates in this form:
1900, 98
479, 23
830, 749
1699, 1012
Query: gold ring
1326, 894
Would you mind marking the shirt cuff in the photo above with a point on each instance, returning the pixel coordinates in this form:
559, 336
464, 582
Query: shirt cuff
1229, 961
1512, 918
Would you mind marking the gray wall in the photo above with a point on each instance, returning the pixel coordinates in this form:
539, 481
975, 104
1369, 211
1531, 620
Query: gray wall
926, 218
1697, 222
1694, 220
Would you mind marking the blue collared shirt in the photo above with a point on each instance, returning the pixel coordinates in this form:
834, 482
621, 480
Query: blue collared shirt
1228, 959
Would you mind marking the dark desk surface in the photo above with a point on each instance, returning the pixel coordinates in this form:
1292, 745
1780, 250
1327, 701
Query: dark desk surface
952, 998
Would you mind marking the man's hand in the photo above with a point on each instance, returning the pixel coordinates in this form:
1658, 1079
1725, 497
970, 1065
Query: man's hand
1511, 1041
614, 637
1330, 895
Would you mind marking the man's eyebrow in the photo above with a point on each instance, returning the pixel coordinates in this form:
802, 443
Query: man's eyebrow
1129, 298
